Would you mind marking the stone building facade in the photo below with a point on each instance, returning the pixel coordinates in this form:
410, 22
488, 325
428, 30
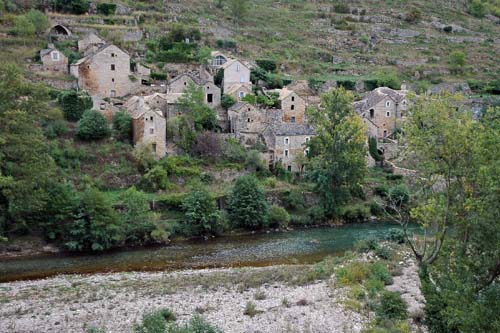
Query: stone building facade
149, 125
382, 110
211, 91
90, 44
293, 106
235, 72
53, 60
105, 73
290, 142
239, 91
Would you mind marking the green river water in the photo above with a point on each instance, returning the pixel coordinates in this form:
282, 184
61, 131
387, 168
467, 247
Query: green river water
261, 249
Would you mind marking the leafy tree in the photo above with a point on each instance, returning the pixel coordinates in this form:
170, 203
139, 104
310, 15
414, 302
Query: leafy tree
156, 179
39, 20
248, 207
77, 7
23, 27
106, 8
208, 145
373, 149
96, 226
74, 104
137, 216
477, 8
278, 217
338, 153
201, 215
192, 104
457, 61
239, 8
92, 126
122, 124
227, 101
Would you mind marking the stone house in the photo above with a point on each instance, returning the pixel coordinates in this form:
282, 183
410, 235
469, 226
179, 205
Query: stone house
149, 125
90, 44
212, 92
293, 106
247, 123
105, 73
239, 91
53, 60
290, 142
382, 110
235, 72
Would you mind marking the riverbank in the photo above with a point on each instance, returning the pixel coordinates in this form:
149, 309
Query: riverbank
284, 298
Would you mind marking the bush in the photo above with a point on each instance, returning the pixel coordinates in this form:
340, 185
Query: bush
353, 273
122, 125
77, 7
399, 194
201, 216
55, 129
373, 149
250, 309
448, 29
413, 15
278, 217
92, 126
254, 162
196, 325
293, 199
158, 76
382, 190
106, 8
457, 60
396, 236
137, 216
227, 101
380, 272
267, 64
375, 208
155, 179
155, 322
355, 213
74, 104
248, 207
477, 8
391, 306
341, 8
39, 20
316, 214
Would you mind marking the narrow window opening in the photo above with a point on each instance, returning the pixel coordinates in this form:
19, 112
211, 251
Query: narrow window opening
210, 98
113, 67
293, 119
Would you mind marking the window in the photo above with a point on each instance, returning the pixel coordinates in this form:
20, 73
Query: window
151, 131
55, 55
404, 102
289, 168
113, 79
388, 104
219, 61
293, 98
237, 67
287, 141
372, 113
242, 94
102, 106
388, 114
306, 152
293, 119
292, 107
248, 120
385, 133
112, 93
185, 83
208, 87
154, 147
286, 152
112, 67
151, 118
113, 55
307, 139
210, 98
242, 79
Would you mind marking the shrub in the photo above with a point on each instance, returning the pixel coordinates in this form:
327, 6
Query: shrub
74, 104
136, 215
122, 125
248, 207
383, 252
250, 309
457, 60
399, 194
254, 162
227, 101
375, 208
413, 15
77, 7
208, 146
477, 8
293, 199
267, 64
155, 322
448, 29
380, 271
391, 306
106, 8
200, 213
55, 129
155, 179
233, 151
355, 213
260, 295
316, 214
196, 325
278, 217
353, 273
373, 149
92, 126
342, 8
395, 235
158, 76
382, 190
374, 286
23, 27
39, 20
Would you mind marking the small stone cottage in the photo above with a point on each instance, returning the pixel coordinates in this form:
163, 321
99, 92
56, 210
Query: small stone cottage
235, 73
53, 60
382, 110
290, 141
212, 92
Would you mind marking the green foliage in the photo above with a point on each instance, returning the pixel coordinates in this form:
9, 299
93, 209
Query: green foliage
122, 125
74, 104
399, 194
391, 306
39, 20
372, 148
233, 151
238, 8
106, 8
201, 215
337, 163
77, 7
92, 126
96, 226
23, 27
267, 64
137, 217
155, 321
395, 235
227, 101
278, 217
196, 325
380, 272
477, 8
293, 199
255, 162
414, 15
354, 213
388, 79
457, 61
155, 179
248, 207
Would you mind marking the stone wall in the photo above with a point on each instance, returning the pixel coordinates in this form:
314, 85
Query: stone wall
236, 73
295, 145
294, 108
386, 117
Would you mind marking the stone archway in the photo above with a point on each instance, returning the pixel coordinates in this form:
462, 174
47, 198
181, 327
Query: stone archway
60, 29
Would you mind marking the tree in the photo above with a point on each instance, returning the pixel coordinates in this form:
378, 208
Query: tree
227, 101
39, 20
122, 125
137, 216
338, 151
239, 8
23, 27
208, 146
77, 7
92, 126
192, 104
477, 8
278, 217
96, 226
201, 215
248, 207
457, 61
74, 104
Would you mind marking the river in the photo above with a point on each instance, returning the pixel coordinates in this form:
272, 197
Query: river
260, 249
